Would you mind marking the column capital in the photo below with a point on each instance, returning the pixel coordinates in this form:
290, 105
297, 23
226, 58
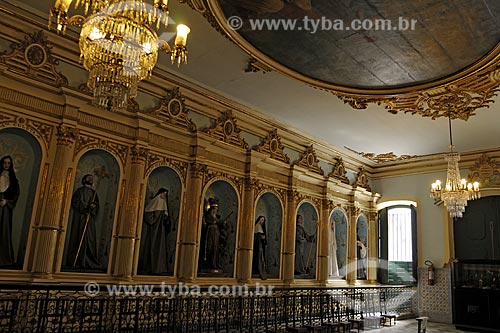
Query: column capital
139, 154
66, 135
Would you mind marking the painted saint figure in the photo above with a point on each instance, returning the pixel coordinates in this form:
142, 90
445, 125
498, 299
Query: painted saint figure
82, 245
361, 258
213, 237
155, 227
259, 248
302, 260
9, 193
332, 250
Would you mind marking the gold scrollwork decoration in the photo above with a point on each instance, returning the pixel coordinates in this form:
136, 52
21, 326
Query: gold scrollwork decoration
310, 161
339, 172
66, 135
139, 154
173, 110
154, 161
33, 58
263, 188
485, 171
88, 142
238, 182
226, 130
384, 157
272, 146
362, 180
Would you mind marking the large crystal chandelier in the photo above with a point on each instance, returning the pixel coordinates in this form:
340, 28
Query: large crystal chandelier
119, 44
457, 191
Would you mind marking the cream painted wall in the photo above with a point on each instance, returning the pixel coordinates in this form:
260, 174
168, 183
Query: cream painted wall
433, 223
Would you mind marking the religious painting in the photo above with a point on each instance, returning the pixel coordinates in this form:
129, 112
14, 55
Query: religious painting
337, 245
92, 213
21, 156
306, 240
267, 237
362, 248
218, 231
160, 223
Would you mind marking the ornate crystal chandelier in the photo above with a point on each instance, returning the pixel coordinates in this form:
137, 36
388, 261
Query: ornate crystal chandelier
119, 44
457, 191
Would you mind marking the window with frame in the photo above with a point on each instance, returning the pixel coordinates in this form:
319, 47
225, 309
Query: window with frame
398, 245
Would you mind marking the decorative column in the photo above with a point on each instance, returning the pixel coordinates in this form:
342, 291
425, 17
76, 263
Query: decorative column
50, 226
188, 242
351, 246
323, 239
372, 246
245, 243
289, 238
129, 218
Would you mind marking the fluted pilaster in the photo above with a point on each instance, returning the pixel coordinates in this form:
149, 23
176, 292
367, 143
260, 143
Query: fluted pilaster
289, 238
188, 243
127, 230
51, 225
246, 230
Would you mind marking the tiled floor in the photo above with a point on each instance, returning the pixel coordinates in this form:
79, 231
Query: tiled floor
410, 326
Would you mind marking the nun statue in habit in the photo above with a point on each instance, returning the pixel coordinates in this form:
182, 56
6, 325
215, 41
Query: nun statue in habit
155, 227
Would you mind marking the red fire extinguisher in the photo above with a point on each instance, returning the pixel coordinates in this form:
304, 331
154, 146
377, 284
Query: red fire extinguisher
430, 272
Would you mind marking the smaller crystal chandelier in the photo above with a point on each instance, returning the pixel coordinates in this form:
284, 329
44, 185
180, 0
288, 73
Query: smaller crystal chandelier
457, 191
119, 44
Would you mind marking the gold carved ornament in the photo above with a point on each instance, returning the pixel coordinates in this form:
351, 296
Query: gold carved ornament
226, 130
486, 172
310, 161
272, 146
362, 180
339, 172
172, 109
33, 58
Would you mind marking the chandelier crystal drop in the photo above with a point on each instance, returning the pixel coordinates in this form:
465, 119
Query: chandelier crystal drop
119, 44
457, 190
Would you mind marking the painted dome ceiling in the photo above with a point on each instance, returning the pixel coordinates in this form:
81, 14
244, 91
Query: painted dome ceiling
322, 43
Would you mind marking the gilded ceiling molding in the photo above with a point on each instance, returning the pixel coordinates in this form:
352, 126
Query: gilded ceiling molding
226, 130
462, 98
88, 142
155, 160
310, 161
42, 131
255, 66
362, 180
33, 58
384, 157
272, 146
486, 172
172, 109
339, 172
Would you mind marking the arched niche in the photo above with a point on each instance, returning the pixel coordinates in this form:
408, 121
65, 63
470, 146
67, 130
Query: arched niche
106, 176
159, 231
227, 200
337, 244
306, 241
26, 154
270, 207
362, 247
